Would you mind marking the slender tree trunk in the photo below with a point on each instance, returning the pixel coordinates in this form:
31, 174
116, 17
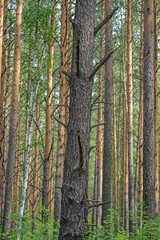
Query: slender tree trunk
115, 153
1, 84
141, 120
75, 184
148, 114
130, 114
119, 190
61, 129
99, 140
106, 189
46, 175
13, 118
125, 149
36, 164
156, 107
2, 100
7, 101
52, 168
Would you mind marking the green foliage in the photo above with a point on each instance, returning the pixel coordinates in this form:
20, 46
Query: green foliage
150, 229
42, 231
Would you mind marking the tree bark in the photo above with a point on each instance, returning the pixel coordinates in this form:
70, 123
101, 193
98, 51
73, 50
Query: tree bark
130, 114
141, 120
1, 84
99, 139
13, 118
46, 162
61, 129
156, 107
106, 186
115, 153
148, 114
75, 184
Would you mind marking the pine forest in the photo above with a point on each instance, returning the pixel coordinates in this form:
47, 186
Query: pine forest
79, 119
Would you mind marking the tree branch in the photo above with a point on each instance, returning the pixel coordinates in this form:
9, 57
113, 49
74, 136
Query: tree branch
98, 204
63, 124
96, 125
66, 73
107, 18
99, 65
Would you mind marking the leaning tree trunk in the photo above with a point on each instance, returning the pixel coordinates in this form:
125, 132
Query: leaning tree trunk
75, 184
13, 118
148, 111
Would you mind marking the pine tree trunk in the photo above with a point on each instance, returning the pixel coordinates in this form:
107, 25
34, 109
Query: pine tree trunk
75, 184
106, 189
125, 149
115, 153
141, 120
99, 140
13, 118
61, 129
46, 167
156, 107
148, 114
130, 114
2, 100
1, 84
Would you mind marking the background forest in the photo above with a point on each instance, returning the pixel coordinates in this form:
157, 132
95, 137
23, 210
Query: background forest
79, 141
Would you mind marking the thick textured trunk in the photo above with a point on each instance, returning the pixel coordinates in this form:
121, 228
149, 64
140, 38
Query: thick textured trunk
13, 118
156, 107
106, 189
148, 114
75, 185
45, 191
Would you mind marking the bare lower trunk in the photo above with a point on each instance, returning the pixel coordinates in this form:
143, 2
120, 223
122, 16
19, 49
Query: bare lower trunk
13, 119
106, 189
148, 113
156, 107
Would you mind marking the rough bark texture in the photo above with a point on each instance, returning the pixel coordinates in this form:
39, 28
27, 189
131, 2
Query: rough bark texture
148, 101
13, 118
156, 107
75, 185
106, 189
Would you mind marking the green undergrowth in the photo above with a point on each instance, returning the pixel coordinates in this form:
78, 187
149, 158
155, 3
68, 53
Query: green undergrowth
111, 230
